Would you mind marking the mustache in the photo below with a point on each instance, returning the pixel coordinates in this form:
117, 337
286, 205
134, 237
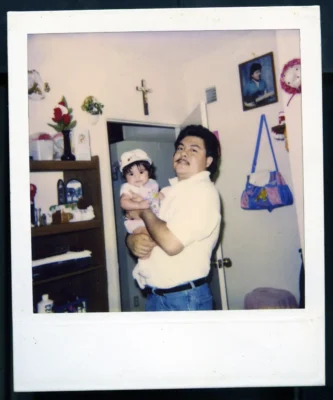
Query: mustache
182, 159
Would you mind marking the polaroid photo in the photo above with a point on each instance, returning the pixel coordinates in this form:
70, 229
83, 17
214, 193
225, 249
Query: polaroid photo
211, 120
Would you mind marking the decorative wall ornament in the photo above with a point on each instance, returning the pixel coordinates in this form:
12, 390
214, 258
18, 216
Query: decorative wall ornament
36, 87
290, 79
93, 118
93, 107
145, 92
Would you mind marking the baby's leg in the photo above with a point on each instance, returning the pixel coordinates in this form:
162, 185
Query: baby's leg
136, 271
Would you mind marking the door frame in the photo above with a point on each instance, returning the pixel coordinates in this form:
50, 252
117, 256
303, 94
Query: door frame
114, 256
141, 123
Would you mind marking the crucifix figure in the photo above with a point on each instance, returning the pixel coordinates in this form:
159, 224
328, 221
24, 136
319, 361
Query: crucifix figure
145, 92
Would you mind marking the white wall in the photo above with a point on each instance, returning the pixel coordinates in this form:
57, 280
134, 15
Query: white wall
80, 65
262, 246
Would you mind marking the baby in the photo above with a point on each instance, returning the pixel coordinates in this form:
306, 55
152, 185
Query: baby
139, 192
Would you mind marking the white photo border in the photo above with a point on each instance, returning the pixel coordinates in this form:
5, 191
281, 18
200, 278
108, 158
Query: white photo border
112, 351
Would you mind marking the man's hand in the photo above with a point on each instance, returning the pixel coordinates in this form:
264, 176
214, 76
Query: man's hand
140, 244
133, 203
160, 233
136, 197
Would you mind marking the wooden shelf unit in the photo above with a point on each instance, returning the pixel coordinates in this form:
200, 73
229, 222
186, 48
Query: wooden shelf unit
57, 229
43, 166
91, 282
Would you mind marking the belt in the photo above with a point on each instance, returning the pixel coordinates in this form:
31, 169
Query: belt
186, 286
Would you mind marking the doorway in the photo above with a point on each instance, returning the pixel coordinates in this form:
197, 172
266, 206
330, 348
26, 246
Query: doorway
158, 143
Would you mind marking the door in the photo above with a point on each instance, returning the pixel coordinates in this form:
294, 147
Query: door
217, 279
158, 142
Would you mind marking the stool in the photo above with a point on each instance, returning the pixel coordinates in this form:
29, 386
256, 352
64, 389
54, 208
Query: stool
269, 298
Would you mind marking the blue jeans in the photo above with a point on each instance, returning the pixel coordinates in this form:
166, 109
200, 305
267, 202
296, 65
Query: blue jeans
198, 298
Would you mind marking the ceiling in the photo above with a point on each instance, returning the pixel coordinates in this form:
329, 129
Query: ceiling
180, 46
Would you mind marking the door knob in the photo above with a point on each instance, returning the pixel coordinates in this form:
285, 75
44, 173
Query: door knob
216, 263
227, 262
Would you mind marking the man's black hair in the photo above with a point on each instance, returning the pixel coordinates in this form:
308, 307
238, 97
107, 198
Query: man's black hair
212, 145
255, 67
144, 164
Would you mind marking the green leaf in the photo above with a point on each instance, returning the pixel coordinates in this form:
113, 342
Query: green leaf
65, 101
72, 125
56, 127
70, 110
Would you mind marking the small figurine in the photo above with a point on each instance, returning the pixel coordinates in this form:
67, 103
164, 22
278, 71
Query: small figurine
61, 192
71, 213
82, 215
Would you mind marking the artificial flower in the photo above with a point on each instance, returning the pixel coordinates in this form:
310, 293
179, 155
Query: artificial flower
62, 116
92, 106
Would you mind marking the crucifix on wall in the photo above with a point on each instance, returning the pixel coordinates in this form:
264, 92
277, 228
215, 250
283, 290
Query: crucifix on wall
145, 92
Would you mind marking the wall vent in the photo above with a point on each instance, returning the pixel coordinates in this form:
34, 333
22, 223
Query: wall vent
211, 95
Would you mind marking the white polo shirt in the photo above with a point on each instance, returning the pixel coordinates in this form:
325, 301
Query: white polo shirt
191, 209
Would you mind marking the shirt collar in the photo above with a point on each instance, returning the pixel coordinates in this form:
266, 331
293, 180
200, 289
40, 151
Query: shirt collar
200, 176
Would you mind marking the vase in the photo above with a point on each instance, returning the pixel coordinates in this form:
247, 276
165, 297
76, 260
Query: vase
93, 118
67, 156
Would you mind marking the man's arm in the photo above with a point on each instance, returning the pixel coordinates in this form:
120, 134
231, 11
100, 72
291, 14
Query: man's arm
159, 232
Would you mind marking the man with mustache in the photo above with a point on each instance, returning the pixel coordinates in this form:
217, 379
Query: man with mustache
186, 231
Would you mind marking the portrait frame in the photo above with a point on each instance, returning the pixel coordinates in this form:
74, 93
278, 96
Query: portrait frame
252, 96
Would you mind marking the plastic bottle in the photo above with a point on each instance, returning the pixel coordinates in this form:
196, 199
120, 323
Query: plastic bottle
45, 305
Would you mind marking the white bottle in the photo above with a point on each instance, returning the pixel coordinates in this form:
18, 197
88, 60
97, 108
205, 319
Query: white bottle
45, 305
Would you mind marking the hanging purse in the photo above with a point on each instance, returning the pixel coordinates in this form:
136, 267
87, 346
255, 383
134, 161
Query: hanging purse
265, 190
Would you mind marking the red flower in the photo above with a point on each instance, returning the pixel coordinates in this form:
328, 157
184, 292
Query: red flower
57, 114
67, 119
33, 191
62, 117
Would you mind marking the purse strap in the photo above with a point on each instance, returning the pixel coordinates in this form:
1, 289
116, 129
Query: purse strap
254, 163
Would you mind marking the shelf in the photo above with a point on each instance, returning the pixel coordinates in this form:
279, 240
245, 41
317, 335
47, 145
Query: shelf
65, 228
70, 274
43, 166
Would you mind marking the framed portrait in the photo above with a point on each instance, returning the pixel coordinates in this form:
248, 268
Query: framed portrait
258, 83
